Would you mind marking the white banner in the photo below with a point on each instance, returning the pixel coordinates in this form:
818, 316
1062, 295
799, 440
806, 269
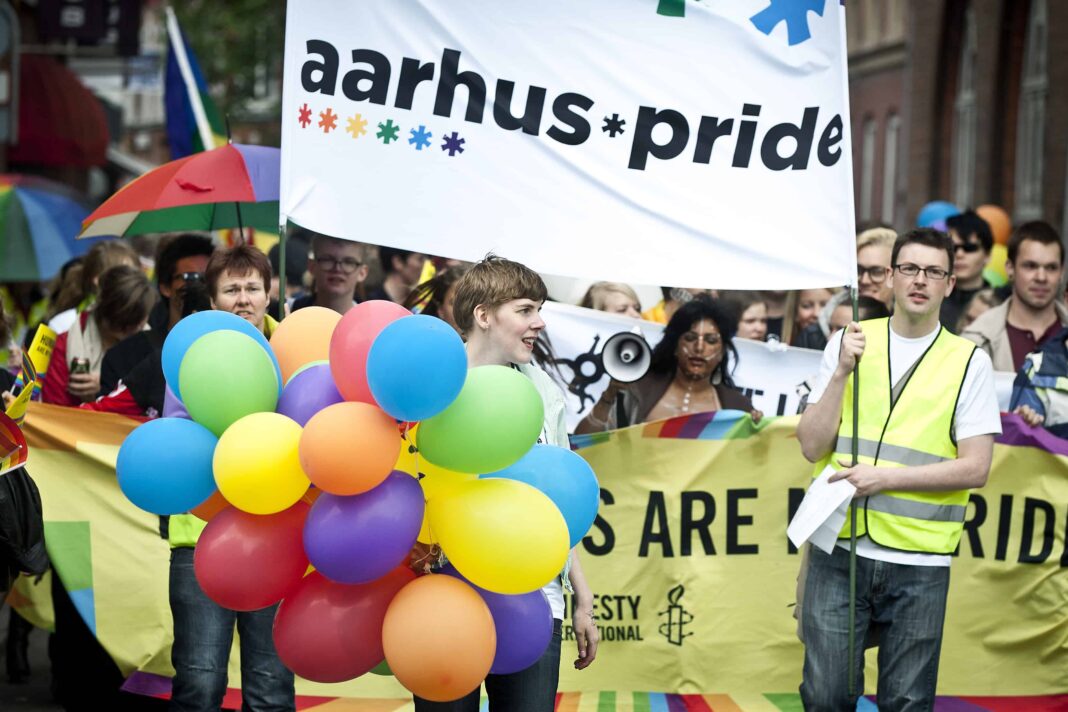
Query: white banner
695, 143
775, 377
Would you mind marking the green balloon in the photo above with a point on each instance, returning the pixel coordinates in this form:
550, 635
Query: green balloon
496, 418
224, 376
382, 669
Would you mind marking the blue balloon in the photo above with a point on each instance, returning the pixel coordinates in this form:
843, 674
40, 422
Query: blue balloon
565, 478
165, 465
191, 328
416, 367
935, 211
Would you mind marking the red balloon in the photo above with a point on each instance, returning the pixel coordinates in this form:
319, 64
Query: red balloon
246, 562
351, 341
331, 632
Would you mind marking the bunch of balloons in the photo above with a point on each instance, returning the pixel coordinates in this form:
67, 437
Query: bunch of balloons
320, 458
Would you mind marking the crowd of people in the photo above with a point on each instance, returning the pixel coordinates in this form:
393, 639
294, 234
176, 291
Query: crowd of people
111, 319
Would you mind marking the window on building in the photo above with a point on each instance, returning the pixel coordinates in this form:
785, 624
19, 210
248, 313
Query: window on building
964, 115
893, 127
867, 168
1032, 116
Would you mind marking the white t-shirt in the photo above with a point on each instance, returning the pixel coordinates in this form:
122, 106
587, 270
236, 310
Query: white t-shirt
977, 414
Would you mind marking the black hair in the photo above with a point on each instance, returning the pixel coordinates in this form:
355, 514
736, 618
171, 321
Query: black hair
870, 308
926, 236
970, 223
431, 293
699, 309
177, 248
386, 255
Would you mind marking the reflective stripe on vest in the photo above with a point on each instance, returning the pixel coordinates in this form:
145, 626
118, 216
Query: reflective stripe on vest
913, 431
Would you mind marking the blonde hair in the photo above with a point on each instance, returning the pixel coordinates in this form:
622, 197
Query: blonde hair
878, 236
598, 291
491, 283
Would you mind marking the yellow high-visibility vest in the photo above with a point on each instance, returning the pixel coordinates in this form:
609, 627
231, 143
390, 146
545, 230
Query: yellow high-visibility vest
917, 429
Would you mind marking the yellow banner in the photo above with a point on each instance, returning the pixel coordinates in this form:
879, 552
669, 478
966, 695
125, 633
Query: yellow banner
689, 559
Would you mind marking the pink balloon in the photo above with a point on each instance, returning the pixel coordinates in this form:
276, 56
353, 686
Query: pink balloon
246, 562
351, 341
331, 632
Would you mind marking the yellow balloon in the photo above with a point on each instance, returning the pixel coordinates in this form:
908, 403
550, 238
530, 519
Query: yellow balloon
408, 459
257, 467
502, 535
435, 481
998, 257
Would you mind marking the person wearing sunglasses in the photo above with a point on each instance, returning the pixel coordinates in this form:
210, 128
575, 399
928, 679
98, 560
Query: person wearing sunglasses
972, 242
927, 418
338, 267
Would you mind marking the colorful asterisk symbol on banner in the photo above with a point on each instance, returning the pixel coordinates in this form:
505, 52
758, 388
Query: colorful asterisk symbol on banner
327, 120
388, 131
420, 138
304, 116
453, 144
793, 12
357, 126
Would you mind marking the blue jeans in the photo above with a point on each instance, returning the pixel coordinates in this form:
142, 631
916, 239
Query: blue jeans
203, 634
904, 605
530, 690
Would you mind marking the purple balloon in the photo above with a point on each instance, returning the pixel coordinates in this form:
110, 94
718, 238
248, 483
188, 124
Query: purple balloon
524, 625
307, 393
172, 407
362, 537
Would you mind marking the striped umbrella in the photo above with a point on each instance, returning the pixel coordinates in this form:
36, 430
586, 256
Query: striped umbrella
230, 186
38, 222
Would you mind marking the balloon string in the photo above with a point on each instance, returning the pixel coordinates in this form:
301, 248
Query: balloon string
434, 552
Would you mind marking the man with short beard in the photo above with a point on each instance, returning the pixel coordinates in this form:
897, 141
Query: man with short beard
1032, 315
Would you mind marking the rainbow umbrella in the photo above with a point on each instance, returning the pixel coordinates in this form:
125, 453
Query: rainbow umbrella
230, 186
38, 222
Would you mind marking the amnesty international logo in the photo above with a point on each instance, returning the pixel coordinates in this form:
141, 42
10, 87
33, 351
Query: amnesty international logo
677, 618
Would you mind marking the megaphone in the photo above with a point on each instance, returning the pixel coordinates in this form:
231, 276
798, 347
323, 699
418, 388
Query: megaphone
626, 356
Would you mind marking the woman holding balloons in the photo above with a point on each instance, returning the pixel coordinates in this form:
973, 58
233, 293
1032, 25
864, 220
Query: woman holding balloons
497, 311
237, 280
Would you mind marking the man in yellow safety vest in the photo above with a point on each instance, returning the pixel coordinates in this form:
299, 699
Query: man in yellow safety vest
928, 415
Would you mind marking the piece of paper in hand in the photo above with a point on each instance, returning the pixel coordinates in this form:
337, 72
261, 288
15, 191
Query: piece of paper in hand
822, 512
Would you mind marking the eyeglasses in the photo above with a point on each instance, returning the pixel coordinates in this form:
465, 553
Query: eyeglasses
968, 247
347, 265
908, 269
875, 274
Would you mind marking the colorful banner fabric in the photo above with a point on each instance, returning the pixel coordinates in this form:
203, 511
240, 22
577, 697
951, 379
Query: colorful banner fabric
693, 575
697, 144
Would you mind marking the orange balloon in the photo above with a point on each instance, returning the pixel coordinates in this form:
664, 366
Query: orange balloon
303, 337
448, 657
210, 507
349, 448
999, 221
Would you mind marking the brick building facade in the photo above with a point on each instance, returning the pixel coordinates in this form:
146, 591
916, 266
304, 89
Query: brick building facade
959, 100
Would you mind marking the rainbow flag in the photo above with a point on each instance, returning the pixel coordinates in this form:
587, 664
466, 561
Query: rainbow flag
193, 121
